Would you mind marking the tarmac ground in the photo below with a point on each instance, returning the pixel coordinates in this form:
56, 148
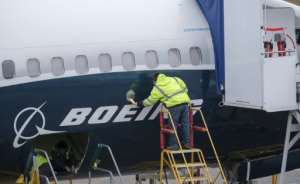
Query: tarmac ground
292, 177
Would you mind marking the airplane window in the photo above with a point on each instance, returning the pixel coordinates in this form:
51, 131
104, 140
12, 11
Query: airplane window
151, 59
81, 64
105, 64
33, 67
57, 66
196, 55
174, 57
8, 69
128, 60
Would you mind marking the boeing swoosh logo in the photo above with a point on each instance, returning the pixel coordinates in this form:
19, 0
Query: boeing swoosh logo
20, 138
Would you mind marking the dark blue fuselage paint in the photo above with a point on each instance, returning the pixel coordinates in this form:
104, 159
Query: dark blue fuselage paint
133, 142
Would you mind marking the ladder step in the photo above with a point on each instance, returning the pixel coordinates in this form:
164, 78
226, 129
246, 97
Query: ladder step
199, 129
184, 151
190, 165
187, 179
167, 130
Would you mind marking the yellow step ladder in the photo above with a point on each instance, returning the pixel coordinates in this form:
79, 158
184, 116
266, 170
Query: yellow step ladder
184, 165
188, 165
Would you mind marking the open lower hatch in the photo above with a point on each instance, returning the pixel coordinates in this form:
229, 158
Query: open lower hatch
69, 149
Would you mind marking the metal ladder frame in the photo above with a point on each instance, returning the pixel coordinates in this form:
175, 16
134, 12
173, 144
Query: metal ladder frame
205, 129
197, 160
99, 146
193, 128
48, 162
164, 110
289, 143
111, 176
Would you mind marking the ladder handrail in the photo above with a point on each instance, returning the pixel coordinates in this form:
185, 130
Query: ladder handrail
201, 156
212, 144
48, 162
111, 176
113, 159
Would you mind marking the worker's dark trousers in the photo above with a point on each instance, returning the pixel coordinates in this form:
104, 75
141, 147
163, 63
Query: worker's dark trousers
180, 115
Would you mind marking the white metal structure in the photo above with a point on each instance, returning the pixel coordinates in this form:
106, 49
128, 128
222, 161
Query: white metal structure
253, 80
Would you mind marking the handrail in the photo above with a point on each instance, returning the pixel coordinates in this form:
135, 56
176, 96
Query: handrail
114, 162
212, 144
111, 176
278, 52
273, 29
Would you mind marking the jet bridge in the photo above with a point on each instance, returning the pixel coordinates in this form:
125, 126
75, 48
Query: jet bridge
260, 56
261, 62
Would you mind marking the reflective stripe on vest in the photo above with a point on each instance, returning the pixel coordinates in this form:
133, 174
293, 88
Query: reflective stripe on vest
174, 94
149, 101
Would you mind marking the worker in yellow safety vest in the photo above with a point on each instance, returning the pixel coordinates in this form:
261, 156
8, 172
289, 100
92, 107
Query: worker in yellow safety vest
173, 93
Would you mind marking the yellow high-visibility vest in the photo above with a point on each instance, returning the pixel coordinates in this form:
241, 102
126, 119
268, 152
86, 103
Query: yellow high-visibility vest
171, 91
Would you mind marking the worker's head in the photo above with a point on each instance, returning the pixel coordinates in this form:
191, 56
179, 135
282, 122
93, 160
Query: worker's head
155, 76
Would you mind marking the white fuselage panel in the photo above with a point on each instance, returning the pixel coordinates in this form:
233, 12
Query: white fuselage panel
66, 29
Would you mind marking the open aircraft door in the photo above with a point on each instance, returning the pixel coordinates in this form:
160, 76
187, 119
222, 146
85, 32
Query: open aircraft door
260, 57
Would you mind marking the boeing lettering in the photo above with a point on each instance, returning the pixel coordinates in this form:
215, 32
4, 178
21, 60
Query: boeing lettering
78, 116
104, 114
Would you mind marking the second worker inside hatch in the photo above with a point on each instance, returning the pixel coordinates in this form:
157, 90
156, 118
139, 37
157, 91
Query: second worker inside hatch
173, 93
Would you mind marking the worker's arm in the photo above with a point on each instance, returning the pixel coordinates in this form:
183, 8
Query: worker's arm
154, 97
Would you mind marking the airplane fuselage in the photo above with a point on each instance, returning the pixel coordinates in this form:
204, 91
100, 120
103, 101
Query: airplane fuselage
66, 70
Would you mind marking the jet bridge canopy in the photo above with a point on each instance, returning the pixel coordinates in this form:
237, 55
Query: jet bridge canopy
213, 11
260, 56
